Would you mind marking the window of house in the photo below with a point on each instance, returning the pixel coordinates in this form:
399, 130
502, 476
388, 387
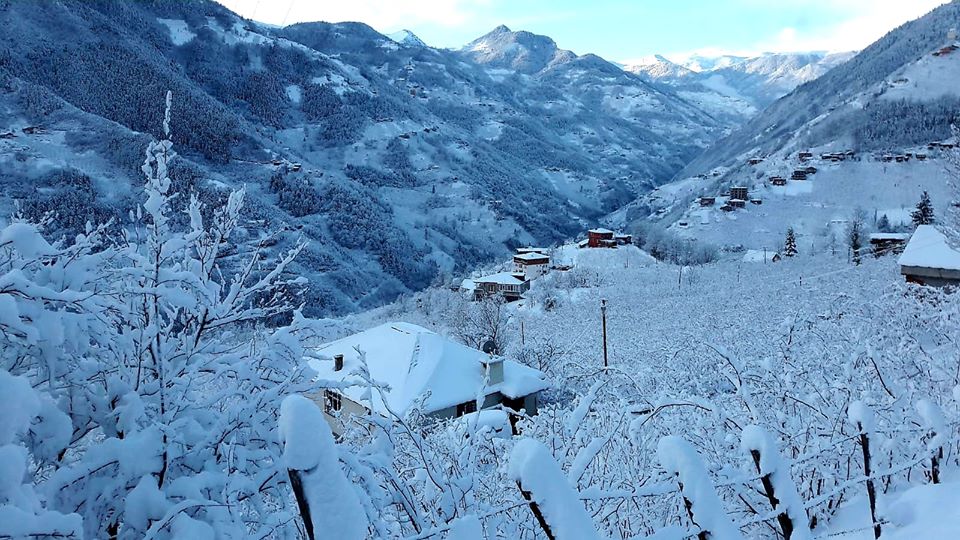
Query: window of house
332, 401
466, 408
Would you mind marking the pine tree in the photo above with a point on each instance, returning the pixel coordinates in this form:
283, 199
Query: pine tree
923, 215
883, 225
790, 244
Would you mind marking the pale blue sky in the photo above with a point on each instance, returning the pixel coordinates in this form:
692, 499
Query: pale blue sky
620, 30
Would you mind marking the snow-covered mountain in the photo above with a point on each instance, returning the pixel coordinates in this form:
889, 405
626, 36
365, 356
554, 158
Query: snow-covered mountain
399, 163
886, 110
758, 81
406, 37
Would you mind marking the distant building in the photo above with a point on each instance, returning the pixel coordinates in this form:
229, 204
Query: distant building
622, 239
756, 201
420, 369
778, 180
886, 243
531, 265
600, 238
739, 192
755, 161
929, 260
805, 156
510, 285
799, 174
708, 201
737, 203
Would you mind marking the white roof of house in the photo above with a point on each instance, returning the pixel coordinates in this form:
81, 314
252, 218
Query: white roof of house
928, 248
759, 255
601, 231
500, 278
531, 256
532, 250
468, 285
890, 236
412, 362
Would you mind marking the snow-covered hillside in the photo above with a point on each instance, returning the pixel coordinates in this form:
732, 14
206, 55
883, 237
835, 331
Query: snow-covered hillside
848, 106
883, 108
401, 164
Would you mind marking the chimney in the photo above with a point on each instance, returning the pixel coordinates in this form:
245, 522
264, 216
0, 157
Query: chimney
494, 370
338, 362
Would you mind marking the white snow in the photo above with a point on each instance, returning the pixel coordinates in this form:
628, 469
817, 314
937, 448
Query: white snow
759, 255
294, 94
533, 467
928, 248
180, 33
413, 362
678, 458
308, 447
861, 416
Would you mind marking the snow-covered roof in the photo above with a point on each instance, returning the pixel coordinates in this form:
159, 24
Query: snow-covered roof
468, 285
501, 278
531, 256
890, 236
601, 231
928, 248
411, 361
759, 255
532, 250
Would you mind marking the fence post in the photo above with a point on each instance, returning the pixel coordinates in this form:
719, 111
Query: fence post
778, 485
700, 497
862, 417
936, 425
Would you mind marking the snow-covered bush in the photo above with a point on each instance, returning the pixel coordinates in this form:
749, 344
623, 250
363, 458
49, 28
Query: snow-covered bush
158, 382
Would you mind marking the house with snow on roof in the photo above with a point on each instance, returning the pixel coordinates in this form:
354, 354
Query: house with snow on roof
509, 285
929, 259
415, 368
531, 264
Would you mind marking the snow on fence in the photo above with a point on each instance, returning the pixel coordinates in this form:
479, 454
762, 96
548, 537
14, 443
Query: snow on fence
561, 511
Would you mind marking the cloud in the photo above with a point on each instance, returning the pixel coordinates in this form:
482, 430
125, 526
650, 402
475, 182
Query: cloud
837, 26
858, 23
380, 14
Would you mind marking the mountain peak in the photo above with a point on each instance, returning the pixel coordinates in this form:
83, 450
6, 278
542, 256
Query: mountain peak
520, 51
406, 37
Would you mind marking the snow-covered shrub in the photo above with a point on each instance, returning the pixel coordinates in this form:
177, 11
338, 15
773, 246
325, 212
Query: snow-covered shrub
159, 382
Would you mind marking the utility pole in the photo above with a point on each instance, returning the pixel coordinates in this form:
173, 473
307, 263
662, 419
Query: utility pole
522, 341
603, 315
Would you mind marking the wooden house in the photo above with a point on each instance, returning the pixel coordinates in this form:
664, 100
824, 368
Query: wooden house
622, 239
805, 156
799, 174
886, 243
778, 181
755, 161
756, 201
739, 192
737, 203
708, 201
